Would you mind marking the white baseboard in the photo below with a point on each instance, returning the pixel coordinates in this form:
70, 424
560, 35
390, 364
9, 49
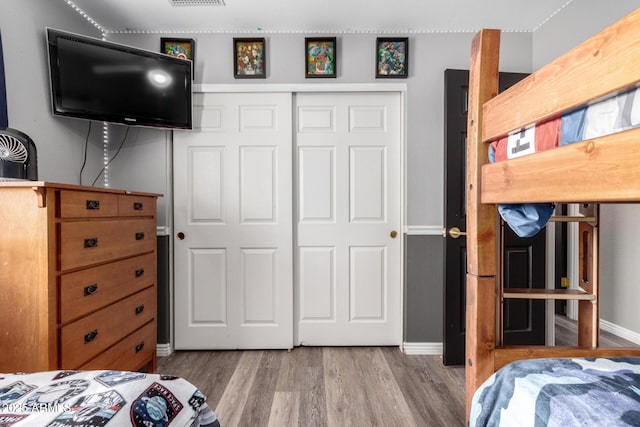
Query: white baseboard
163, 350
627, 334
424, 348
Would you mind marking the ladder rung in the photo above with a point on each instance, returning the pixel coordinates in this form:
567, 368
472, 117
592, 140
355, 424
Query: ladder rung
551, 294
572, 219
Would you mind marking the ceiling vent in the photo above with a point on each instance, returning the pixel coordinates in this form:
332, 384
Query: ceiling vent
197, 2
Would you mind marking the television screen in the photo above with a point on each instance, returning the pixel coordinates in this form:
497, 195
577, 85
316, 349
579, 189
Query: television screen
99, 80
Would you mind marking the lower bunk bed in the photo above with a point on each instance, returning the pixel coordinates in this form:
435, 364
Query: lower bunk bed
98, 398
563, 392
586, 384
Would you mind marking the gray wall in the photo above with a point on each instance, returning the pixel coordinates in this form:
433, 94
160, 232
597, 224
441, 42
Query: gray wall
424, 273
430, 55
60, 142
619, 231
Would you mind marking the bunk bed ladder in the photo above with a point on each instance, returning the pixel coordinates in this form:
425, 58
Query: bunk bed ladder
586, 293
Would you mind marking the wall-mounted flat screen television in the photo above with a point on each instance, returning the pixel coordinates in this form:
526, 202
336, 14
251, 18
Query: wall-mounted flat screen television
105, 81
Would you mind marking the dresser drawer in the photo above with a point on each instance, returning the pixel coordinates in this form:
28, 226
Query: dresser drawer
132, 205
91, 242
129, 354
85, 338
87, 204
88, 290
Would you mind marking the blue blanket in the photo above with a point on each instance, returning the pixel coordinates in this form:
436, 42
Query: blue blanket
561, 392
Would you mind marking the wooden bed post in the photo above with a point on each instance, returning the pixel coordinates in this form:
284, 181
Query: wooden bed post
481, 219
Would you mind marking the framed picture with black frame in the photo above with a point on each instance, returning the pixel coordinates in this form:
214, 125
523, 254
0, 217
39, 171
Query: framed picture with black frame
249, 58
392, 57
180, 48
321, 55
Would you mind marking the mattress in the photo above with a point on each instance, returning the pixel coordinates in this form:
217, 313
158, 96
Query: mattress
562, 392
99, 398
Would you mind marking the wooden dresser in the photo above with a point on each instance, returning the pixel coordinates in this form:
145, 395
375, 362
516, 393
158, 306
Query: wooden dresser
77, 278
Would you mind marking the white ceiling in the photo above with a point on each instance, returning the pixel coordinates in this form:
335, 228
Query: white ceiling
322, 16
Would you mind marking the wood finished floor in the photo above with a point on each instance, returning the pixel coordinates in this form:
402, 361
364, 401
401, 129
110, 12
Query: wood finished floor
329, 386
334, 386
566, 334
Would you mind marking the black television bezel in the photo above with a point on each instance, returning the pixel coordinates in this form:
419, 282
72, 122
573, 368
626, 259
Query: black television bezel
53, 34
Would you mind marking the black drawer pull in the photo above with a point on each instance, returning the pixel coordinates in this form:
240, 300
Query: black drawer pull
139, 347
137, 206
91, 242
139, 272
140, 309
139, 236
90, 336
90, 289
93, 205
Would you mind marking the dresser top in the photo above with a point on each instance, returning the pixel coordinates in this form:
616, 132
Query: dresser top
46, 184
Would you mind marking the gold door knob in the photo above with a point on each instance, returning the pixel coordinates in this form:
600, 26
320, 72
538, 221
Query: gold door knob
180, 236
456, 233
393, 234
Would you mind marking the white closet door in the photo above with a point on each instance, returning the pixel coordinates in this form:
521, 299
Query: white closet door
233, 204
348, 248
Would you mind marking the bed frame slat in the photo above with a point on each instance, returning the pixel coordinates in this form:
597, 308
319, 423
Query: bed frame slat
602, 170
607, 62
505, 355
548, 294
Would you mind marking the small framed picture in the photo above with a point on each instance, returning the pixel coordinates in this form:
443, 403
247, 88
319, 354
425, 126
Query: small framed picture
249, 58
392, 57
182, 48
320, 57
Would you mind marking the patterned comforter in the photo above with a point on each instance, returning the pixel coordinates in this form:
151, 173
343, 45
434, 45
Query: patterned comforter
561, 392
99, 398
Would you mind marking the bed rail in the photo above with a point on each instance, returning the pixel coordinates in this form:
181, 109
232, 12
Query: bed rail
599, 170
505, 355
605, 63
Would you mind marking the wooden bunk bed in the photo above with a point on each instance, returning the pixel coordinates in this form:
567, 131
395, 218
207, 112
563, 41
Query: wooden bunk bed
601, 170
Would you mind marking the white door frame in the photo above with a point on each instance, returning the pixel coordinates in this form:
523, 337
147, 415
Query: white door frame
305, 87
